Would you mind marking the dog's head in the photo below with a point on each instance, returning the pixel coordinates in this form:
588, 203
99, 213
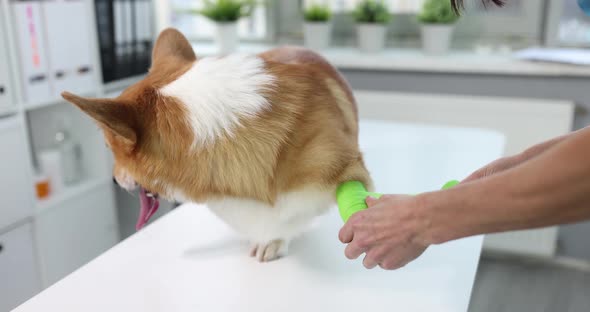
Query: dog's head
146, 131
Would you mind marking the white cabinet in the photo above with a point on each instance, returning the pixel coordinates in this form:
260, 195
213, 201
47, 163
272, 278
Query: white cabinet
75, 232
76, 225
19, 278
16, 189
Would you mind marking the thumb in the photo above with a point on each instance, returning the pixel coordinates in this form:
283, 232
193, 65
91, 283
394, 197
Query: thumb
370, 200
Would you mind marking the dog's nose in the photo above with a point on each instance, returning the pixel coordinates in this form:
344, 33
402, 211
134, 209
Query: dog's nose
115, 181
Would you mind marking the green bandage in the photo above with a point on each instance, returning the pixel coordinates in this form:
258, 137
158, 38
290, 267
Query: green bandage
351, 197
450, 184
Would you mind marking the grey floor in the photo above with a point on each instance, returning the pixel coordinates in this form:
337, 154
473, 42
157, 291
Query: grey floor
507, 285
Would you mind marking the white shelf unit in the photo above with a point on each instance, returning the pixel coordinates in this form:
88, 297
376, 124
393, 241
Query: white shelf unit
57, 235
70, 192
51, 102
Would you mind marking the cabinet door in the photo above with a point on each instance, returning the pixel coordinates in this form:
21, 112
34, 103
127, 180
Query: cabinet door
18, 271
16, 185
76, 231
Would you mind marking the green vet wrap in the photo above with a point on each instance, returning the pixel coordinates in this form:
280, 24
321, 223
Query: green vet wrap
351, 197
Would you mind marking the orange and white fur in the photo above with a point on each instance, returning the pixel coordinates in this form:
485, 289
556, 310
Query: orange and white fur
263, 140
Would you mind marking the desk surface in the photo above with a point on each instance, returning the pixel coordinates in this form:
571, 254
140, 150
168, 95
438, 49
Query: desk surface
190, 261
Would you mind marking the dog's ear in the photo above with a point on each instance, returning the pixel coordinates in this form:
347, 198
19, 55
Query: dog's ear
117, 117
172, 46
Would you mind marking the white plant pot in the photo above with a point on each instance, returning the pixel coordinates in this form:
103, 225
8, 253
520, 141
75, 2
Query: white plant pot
371, 37
317, 35
227, 37
436, 39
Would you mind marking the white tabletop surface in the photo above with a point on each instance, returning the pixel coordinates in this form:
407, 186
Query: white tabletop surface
190, 261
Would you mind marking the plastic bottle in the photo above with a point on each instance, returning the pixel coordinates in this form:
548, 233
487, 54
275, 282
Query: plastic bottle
70, 152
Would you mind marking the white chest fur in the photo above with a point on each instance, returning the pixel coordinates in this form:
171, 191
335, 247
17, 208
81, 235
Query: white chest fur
262, 223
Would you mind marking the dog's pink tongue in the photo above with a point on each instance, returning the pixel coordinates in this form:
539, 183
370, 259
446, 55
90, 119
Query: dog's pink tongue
148, 206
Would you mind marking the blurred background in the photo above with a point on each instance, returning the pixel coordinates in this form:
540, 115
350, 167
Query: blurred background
521, 70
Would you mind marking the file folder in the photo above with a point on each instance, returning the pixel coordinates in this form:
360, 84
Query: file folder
106, 38
31, 47
120, 37
6, 100
69, 47
84, 62
144, 35
128, 41
125, 37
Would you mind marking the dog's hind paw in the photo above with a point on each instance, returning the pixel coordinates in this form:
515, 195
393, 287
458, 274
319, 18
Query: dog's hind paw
269, 251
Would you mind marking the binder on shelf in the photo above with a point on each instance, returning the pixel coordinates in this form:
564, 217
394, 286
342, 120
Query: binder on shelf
69, 47
31, 47
120, 37
84, 60
129, 19
143, 43
6, 100
106, 38
125, 37
5, 97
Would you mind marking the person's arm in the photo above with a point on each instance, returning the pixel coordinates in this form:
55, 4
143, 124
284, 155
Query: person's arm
514, 160
550, 188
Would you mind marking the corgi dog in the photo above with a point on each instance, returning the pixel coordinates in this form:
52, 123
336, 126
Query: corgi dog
264, 140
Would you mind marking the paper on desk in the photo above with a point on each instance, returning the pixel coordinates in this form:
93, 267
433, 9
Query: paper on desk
567, 56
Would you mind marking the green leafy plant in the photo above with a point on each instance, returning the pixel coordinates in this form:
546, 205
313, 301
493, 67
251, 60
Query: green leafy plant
317, 13
437, 12
371, 11
224, 11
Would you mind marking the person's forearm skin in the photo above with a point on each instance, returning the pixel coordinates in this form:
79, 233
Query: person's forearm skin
549, 189
542, 147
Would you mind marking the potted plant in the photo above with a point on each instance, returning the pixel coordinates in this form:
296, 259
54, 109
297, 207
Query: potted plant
438, 20
371, 17
225, 14
317, 28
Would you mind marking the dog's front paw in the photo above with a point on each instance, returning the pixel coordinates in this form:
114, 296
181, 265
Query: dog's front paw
269, 251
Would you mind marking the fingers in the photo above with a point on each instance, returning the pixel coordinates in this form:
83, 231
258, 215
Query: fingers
358, 246
376, 233
392, 265
346, 233
354, 249
374, 257
400, 257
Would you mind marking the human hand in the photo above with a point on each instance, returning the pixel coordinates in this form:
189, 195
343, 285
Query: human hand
389, 232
